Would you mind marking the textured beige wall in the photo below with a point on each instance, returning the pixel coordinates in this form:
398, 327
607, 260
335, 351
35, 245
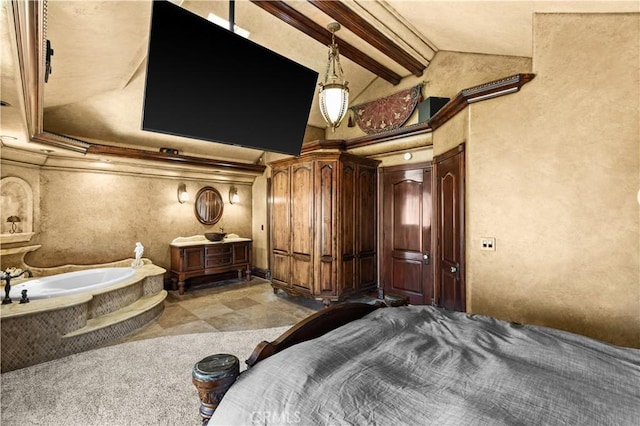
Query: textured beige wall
452, 133
87, 217
260, 223
447, 74
552, 174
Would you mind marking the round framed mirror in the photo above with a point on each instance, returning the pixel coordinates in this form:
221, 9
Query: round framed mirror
208, 205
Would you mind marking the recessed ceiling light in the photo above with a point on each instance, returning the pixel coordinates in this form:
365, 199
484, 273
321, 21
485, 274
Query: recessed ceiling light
407, 156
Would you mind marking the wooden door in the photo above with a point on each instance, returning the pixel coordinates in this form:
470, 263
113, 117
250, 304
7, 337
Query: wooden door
406, 225
449, 177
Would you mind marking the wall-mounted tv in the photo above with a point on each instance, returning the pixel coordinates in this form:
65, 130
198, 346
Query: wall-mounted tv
205, 82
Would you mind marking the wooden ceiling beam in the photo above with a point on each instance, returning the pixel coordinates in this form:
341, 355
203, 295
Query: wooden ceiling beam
363, 29
286, 13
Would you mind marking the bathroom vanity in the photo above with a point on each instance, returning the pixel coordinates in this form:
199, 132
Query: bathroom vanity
200, 257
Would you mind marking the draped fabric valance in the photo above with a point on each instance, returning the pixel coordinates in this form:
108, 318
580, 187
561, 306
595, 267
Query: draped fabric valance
387, 113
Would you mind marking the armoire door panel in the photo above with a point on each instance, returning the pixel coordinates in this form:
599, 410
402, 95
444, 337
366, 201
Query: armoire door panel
326, 284
301, 272
302, 208
325, 193
280, 213
280, 267
326, 208
348, 275
348, 223
348, 210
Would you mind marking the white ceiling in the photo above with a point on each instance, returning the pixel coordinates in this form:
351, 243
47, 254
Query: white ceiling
96, 88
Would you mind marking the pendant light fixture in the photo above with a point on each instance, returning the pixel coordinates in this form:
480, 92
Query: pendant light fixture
334, 93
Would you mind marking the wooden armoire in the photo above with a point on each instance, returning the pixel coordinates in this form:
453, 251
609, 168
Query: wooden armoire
323, 223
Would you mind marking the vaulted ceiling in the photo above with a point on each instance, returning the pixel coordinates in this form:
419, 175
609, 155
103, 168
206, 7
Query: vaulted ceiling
95, 90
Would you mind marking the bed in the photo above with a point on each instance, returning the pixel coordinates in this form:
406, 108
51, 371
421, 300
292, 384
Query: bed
358, 364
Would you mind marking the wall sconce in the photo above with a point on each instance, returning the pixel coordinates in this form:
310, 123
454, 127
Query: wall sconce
233, 195
183, 195
13, 220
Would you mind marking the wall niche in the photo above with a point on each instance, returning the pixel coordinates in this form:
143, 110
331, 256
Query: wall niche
16, 223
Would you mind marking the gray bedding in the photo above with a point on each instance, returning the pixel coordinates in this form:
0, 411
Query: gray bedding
419, 365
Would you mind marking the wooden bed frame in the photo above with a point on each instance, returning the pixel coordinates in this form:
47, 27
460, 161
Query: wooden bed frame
311, 327
211, 391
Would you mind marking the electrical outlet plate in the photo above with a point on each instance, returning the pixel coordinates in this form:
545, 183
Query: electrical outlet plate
488, 243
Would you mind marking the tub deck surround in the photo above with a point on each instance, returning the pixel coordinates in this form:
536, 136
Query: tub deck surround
51, 328
150, 277
138, 307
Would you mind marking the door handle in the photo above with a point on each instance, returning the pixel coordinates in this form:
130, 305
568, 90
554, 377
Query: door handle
455, 270
426, 258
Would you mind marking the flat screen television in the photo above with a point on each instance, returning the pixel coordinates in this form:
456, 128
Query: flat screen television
206, 82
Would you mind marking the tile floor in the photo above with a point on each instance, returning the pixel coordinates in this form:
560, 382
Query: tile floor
228, 306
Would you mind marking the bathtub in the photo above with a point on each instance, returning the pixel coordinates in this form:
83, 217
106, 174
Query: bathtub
80, 307
70, 283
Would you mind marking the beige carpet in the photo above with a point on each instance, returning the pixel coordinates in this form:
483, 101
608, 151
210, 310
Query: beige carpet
145, 382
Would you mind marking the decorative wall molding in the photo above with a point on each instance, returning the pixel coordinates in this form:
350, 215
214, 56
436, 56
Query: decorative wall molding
482, 92
30, 22
257, 169
465, 97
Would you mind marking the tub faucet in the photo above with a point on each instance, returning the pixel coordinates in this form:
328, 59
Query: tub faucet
7, 277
